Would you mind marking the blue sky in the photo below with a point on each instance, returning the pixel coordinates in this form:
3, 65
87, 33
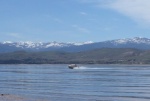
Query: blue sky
73, 20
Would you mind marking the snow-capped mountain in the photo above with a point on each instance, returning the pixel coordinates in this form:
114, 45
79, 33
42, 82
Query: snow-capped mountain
137, 42
9, 46
39, 45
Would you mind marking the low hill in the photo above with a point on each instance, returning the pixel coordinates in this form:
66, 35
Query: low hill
98, 56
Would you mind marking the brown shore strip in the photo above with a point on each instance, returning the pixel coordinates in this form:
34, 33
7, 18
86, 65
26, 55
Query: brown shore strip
9, 97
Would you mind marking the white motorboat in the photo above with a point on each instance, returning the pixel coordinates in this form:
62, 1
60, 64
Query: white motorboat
72, 66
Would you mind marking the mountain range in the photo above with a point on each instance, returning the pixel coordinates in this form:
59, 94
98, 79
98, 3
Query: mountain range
136, 43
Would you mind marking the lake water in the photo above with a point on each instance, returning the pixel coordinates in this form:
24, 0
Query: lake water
87, 83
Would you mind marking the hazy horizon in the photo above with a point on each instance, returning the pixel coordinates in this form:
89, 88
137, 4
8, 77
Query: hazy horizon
71, 42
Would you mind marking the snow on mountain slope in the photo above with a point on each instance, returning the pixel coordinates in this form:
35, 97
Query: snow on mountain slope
137, 40
38, 45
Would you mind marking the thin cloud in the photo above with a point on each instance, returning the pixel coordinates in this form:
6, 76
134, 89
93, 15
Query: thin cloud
89, 1
83, 13
136, 9
84, 30
81, 29
96, 2
14, 35
58, 20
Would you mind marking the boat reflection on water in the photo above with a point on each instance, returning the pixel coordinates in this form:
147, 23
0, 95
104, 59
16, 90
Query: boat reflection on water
72, 66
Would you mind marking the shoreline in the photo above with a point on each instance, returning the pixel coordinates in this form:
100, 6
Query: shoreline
11, 97
86, 64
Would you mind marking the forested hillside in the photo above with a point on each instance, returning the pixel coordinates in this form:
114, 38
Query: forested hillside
99, 56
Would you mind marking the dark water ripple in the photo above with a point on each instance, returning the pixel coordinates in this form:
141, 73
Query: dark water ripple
88, 83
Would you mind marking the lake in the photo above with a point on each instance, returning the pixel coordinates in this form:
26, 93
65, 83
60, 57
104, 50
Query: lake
87, 83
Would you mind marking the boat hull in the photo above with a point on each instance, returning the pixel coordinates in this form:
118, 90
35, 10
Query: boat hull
72, 66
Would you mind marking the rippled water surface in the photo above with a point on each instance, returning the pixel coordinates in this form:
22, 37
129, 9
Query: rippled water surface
87, 83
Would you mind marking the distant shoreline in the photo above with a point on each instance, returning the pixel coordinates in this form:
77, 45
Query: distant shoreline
84, 64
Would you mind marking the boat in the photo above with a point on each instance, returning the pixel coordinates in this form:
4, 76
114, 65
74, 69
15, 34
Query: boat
72, 66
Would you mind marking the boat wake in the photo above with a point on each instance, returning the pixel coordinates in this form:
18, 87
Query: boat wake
83, 67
